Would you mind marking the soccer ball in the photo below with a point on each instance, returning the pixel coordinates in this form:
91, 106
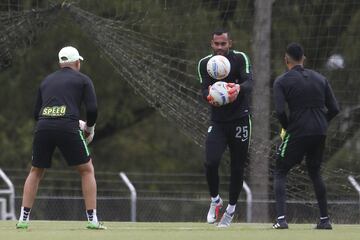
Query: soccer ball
218, 67
335, 61
219, 92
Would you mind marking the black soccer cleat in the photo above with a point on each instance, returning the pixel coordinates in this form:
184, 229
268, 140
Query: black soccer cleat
280, 224
324, 224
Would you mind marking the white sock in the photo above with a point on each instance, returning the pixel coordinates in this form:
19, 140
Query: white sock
24, 214
215, 199
230, 209
91, 215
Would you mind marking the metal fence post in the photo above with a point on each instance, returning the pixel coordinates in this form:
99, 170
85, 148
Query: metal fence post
133, 195
11, 192
356, 186
3, 209
248, 202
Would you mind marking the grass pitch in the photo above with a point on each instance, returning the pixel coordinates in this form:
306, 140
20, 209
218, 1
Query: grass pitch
56, 230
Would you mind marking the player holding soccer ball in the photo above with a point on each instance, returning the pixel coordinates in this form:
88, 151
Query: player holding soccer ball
57, 113
230, 123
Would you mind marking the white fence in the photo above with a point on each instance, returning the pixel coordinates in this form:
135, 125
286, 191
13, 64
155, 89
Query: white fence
160, 197
7, 211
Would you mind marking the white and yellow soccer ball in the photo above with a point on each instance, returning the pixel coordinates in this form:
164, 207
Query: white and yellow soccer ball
218, 67
219, 92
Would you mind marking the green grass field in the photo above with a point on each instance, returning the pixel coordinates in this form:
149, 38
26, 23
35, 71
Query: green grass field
54, 230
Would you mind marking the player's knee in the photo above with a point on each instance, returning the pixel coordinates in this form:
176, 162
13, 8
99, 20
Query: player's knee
314, 173
212, 160
85, 169
37, 172
280, 173
211, 165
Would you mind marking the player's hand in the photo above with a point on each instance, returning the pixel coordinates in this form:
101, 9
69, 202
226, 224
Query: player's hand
88, 132
282, 134
210, 99
233, 91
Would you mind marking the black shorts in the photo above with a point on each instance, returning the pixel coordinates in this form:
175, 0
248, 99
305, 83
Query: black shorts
293, 150
234, 134
72, 146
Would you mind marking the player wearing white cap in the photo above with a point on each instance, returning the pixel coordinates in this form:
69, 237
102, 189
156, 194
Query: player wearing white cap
57, 112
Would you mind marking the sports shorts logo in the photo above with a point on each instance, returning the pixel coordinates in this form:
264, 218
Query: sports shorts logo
209, 129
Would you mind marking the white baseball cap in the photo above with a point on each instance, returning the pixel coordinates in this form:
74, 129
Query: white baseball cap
69, 54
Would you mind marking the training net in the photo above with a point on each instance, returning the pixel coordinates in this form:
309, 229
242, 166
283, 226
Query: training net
19, 30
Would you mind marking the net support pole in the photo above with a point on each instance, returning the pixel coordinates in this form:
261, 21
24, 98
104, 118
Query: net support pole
260, 136
248, 202
11, 192
355, 184
132, 194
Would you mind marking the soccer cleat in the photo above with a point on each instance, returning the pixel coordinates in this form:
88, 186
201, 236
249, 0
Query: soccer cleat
324, 224
22, 225
214, 210
225, 220
96, 226
280, 224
